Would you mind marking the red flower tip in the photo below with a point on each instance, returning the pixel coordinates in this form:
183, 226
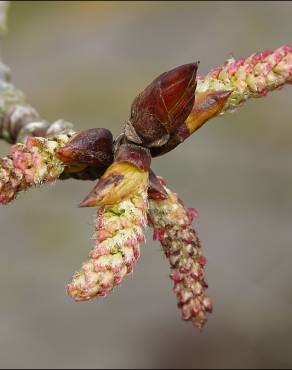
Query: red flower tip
193, 214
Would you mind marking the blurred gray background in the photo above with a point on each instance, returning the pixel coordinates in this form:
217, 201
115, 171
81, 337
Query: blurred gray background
86, 61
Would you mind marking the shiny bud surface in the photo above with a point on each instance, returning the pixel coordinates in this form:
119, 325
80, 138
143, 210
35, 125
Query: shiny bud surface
162, 107
92, 147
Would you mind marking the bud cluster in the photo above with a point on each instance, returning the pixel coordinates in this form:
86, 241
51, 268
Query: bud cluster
168, 111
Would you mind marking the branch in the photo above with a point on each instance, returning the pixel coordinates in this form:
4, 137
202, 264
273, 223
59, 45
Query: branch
222, 90
166, 113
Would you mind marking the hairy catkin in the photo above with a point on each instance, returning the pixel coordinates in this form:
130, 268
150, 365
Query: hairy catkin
119, 233
172, 223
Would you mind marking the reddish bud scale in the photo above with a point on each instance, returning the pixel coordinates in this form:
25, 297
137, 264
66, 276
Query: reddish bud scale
178, 137
172, 227
92, 147
162, 107
156, 189
134, 154
207, 105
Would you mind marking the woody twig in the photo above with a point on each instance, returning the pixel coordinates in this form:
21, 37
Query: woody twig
171, 108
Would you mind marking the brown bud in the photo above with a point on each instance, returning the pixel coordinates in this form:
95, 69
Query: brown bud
162, 107
91, 147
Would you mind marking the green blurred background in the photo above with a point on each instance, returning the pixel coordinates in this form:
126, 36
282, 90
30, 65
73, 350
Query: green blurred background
86, 61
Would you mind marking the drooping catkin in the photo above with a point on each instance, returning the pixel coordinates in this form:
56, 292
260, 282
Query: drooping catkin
172, 223
119, 232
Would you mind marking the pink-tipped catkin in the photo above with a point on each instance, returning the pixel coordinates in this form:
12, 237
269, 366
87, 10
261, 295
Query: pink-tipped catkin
119, 232
172, 224
252, 77
30, 164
